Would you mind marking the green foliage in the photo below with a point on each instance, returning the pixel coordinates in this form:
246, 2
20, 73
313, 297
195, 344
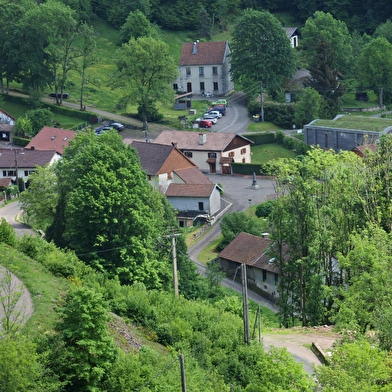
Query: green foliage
7, 233
261, 54
39, 118
261, 138
374, 63
145, 72
136, 25
307, 107
264, 210
234, 223
42, 186
108, 212
23, 126
281, 114
358, 363
19, 370
19, 141
85, 351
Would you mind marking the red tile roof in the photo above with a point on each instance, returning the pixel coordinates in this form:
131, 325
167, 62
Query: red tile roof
189, 190
188, 140
49, 138
192, 175
207, 53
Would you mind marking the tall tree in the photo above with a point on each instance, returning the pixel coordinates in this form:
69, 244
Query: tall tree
374, 68
308, 106
312, 219
145, 72
54, 27
108, 212
328, 53
261, 55
85, 352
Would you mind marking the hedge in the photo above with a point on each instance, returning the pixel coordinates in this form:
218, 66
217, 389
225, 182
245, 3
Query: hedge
281, 114
261, 138
246, 168
20, 141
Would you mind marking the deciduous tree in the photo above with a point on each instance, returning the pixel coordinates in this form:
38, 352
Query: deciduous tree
107, 210
261, 52
145, 72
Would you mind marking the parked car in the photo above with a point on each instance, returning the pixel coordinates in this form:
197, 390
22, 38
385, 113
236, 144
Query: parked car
221, 102
204, 123
219, 108
65, 95
117, 126
211, 118
216, 113
100, 130
207, 94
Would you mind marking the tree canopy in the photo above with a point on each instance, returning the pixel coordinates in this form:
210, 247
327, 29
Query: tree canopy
107, 211
261, 55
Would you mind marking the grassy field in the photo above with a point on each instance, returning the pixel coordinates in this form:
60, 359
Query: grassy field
266, 152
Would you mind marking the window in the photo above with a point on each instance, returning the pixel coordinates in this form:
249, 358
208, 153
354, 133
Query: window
188, 71
276, 278
188, 154
201, 71
215, 70
9, 173
264, 275
202, 87
201, 206
212, 155
243, 150
175, 86
231, 154
216, 86
28, 172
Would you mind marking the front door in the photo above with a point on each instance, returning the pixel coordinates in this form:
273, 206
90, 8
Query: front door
212, 167
189, 87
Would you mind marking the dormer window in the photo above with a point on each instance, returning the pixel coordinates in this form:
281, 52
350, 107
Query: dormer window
53, 137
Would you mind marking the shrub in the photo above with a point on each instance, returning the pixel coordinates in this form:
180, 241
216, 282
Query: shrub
264, 210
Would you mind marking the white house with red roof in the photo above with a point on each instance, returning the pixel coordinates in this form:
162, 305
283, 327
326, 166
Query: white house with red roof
186, 188
212, 152
204, 66
49, 138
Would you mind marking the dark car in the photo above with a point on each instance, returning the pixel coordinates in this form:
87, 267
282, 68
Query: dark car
218, 108
117, 126
58, 95
100, 130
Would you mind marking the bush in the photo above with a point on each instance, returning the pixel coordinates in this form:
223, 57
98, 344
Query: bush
20, 141
264, 210
281, 114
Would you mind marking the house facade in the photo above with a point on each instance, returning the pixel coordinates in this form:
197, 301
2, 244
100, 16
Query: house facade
204, 66
262, 274
7, 123
211, 152
345, 132
186, 188
293, 35
20, 163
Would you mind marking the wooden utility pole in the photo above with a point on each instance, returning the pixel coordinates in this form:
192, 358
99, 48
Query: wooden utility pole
262, 102
183, 379
245, 303
175, 274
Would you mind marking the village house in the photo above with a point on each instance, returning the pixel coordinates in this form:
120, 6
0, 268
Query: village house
204, 67
262, 274
211, 152
7, 123
49, 138
20, 163
186, 188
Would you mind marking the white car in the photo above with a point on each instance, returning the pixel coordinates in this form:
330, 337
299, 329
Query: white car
215, 113
213, 119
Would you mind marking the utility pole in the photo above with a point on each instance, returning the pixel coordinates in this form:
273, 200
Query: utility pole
183, 380
262, 102
245, 303
175, 275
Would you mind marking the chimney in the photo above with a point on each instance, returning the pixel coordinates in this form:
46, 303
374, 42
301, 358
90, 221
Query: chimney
202, 138
194, 47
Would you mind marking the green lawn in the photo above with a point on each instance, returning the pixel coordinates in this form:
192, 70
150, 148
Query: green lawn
265, 152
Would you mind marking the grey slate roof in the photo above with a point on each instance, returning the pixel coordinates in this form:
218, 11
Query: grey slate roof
9, 159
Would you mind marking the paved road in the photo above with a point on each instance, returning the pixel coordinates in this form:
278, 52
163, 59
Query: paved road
10, 211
